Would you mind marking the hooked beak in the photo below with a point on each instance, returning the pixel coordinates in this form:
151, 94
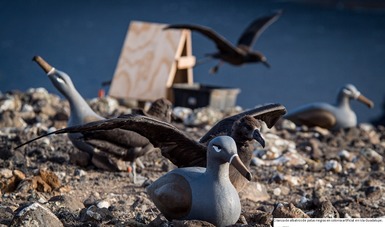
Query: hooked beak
238, 164
365, 101
266, 64
258, 137
43, 64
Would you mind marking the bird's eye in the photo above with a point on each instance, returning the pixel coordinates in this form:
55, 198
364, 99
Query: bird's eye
352, 93
347, 91
217, 148
60, 80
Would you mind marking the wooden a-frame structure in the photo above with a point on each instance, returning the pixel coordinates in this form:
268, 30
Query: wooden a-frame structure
151, 61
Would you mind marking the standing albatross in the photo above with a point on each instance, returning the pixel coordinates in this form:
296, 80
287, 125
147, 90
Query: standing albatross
182, 150
129, 145
330, 116
241, 53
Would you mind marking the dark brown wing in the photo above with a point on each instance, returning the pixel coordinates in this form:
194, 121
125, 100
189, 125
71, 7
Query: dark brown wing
222, 44
255, 29
269, 113
174, 144
127, 145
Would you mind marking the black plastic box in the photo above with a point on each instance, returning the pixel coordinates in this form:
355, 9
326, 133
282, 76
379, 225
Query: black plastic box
198, 95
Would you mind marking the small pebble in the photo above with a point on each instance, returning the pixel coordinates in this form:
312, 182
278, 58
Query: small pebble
333, 165
103, 204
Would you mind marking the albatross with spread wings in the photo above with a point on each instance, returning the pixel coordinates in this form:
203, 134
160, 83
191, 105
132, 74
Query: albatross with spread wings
176, 145
241, 53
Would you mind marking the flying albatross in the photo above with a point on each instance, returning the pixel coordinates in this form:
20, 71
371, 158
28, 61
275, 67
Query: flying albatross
241, 53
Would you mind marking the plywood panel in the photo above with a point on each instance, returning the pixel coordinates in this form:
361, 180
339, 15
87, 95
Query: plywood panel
147, 62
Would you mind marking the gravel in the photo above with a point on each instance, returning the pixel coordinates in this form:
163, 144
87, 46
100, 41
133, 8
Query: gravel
302, 172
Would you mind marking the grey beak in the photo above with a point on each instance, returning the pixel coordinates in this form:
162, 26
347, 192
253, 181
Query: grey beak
258, 137
266, 64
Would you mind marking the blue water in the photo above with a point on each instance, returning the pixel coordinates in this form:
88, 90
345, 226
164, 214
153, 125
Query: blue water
313, 49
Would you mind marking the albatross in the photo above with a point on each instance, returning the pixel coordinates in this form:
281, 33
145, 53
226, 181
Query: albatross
325, 115
178, 147
198, 193
128, 145
241, 53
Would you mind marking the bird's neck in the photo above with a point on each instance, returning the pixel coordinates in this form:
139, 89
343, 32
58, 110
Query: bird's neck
245, 152
218, 169
79, 107
343, 101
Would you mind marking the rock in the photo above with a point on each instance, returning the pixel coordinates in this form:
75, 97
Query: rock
333, 165
106, 105
286, 125
258, 217
182, 113
205, 115
372, 156
288, 211
9, 180
374, 193
278, 177
80, 173
294, 159
40, 185
11, 119
345, 155
35, 215
326, 210
277, 191
305, 202
255, 192
6, 173
6, 215
160, 221
9, 103
292, 180
257, 162
320, 131
291, 158
50, 178
349, 167
276, 146
316, 152
18, 174
366, 127
284, 190
93, 199
315, 166
65, 201
103, 204
191, 223
93, 213
5, 151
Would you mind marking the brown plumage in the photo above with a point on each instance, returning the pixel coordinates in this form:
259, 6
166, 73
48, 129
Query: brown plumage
242, 53
99, 145
126, 145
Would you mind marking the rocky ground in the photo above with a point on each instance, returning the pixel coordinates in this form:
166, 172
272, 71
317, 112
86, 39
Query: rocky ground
302, 172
